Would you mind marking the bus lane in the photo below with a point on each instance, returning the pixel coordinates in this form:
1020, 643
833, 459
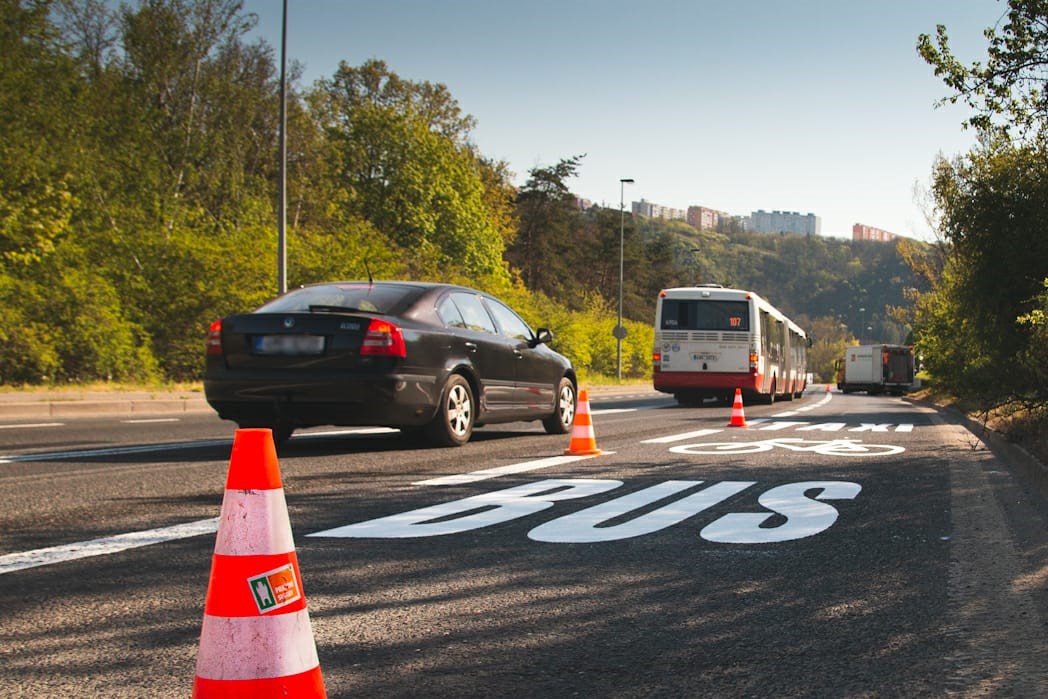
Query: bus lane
802, 507
670, 565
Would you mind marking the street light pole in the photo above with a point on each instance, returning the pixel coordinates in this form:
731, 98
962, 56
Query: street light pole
282, 204
620, 332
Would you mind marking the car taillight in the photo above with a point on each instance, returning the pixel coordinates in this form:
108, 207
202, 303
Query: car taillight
383, 339
214, 338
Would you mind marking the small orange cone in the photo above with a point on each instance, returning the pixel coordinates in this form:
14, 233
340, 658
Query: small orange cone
583, 439
256, 639
738, 418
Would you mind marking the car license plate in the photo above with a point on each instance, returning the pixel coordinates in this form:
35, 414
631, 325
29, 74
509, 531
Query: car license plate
289, 344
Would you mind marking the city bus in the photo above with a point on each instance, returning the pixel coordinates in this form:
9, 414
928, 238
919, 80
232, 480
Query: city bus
710, 341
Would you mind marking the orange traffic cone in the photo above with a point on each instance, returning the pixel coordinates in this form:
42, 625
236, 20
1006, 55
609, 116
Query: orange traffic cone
256, 639
738, 418
583, 439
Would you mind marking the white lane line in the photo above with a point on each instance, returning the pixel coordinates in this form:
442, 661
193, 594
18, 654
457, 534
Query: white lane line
113, 451
173, 446
338, 433
523, 467
680, 437
611, 411
11, 562
32, 424
143, 421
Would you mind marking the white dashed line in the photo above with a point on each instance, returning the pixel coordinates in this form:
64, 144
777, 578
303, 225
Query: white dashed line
11, 562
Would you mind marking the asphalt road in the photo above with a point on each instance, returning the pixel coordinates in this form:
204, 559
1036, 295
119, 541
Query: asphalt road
839, 545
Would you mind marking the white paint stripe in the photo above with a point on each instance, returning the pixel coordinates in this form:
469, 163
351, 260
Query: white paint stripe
146, 448
144, 421
610, 411
256, 647
363, 430
254, 523
788, 413
680, 437
106, 545
524, 467
32, 424
113, 451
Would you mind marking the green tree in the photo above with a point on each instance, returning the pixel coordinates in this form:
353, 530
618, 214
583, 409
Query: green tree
994, 205
37, 97
1007, 91
398, 150
549, 219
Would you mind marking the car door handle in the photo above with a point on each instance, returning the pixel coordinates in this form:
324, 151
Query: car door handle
518, 354
471, 346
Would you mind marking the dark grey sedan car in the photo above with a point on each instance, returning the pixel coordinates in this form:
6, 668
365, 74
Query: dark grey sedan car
434, 358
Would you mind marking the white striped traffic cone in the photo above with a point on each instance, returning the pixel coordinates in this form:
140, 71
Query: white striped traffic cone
256, 639
738, 417
583, 439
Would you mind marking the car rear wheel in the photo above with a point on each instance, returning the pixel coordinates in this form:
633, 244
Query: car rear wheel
563, 417
453, 424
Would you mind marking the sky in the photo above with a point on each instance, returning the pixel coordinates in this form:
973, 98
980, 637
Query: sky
813, 106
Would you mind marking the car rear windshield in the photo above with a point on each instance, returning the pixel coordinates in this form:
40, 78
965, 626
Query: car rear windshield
385, 299
705, 314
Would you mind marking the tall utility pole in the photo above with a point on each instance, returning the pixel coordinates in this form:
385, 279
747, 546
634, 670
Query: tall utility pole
620, 332
282, 205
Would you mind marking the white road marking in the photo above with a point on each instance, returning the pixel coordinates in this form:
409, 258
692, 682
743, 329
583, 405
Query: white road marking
362, 430
11, 562
610, 411
32, 424
143, 421
523, 467
112, 451
146, 448
680, 437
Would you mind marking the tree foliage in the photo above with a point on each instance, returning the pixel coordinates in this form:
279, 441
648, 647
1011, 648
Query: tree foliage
980, 327
1008, 91
138, 202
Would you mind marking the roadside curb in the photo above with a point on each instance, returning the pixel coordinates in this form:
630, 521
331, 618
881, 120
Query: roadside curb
85, 403
117, 405
1026, 464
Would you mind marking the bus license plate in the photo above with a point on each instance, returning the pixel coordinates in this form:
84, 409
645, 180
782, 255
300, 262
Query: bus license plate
705, 357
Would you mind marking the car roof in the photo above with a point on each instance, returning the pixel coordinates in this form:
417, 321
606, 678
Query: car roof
393, 282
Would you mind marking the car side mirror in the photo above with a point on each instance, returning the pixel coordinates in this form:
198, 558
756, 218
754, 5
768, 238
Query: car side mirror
543, 336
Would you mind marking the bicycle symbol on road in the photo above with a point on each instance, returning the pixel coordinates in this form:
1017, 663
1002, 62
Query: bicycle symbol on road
832, 447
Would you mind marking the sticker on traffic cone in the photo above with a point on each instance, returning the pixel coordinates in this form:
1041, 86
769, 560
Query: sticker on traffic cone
738, 418
256, 639
583, 439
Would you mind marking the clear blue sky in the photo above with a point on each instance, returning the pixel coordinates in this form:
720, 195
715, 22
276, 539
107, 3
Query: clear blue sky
815, 106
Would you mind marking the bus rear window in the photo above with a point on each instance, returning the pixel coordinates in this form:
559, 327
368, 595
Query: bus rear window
705, 314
